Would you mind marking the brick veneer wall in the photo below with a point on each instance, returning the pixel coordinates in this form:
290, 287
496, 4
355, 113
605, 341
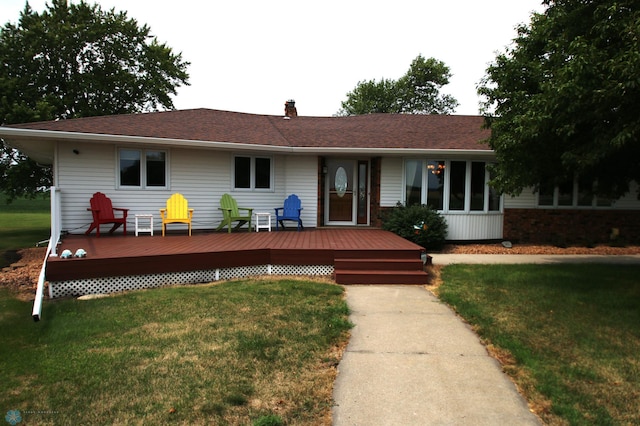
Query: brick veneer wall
570, 226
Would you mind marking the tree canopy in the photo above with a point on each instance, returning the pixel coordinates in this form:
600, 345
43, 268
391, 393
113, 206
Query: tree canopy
417, 92
77, 60
562, 101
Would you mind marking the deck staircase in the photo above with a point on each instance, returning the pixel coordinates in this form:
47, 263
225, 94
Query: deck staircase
379, 267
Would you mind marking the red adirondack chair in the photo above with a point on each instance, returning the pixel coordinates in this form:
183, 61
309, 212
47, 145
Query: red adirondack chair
103, 212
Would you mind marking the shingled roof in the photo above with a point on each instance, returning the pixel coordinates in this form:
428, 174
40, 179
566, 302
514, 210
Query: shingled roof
384, 131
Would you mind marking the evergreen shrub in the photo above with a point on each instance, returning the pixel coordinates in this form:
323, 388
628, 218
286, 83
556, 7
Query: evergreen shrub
420, 224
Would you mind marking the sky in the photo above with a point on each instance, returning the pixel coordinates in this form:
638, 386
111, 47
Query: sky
253, 55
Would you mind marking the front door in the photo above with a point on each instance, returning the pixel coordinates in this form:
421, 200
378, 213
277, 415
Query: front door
346, 192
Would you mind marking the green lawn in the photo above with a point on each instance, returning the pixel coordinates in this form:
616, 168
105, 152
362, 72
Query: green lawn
232, 353
23, 223
260, 351
569, 334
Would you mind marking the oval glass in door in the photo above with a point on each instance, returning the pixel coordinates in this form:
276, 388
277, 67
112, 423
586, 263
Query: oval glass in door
341, 182
340, 191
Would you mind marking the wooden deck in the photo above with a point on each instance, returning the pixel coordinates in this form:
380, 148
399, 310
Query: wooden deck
358, 255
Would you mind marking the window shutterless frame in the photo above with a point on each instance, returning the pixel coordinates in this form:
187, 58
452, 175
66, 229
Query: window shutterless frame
576, 194
142, 168
450, 186
252, 173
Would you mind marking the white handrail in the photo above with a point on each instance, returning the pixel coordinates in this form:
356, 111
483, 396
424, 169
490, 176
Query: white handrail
56, 219
52, 250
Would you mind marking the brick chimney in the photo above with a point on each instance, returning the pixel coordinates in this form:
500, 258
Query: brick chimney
290, 108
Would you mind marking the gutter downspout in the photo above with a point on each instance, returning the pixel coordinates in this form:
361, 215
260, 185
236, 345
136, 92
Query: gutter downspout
52, 250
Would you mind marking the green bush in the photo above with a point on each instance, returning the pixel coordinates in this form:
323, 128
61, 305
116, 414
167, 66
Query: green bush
419, 224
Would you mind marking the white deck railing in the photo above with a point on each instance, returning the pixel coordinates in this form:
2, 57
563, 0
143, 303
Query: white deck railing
52, 250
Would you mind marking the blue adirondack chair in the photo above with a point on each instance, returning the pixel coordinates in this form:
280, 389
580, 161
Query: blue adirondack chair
290, 211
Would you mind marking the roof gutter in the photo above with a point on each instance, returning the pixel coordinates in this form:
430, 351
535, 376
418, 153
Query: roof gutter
54, 135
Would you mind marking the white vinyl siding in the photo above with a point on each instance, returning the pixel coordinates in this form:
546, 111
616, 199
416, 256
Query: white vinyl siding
526, 199
302, 180
391, 181
79, 176
202, 176
487, 226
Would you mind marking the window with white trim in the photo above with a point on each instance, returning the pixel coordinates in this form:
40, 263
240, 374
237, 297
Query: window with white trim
578, 193
450, 185
142, 168
252, 173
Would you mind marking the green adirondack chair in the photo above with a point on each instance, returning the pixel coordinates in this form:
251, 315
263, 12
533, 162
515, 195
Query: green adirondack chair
231, 213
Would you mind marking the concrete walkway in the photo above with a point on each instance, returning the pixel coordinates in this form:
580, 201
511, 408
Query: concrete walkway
412, 361
448, 259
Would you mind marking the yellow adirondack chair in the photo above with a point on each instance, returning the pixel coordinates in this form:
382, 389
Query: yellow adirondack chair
231, 213
177, 211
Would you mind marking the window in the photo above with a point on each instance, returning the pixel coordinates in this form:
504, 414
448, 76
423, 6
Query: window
565, 194
546, 195
478, 176
252, 173
572, 194
457, 179
435, 184
242, 172
450, 185
129, 167
413, 182
494, 200
263, 173
134, 172
156, 170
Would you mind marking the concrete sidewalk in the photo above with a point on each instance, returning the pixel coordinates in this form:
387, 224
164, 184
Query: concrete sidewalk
412, 361
448, 259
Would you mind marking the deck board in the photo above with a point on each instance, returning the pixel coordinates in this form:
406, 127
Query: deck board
118, 255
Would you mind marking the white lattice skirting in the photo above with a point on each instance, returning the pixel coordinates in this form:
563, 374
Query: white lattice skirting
108, 285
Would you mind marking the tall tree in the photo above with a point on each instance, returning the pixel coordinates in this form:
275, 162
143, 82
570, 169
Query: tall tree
562, 102
77, 60
417, 92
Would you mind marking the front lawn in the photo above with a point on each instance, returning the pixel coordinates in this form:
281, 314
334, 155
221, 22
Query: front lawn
569, 335
231, 353
23, 223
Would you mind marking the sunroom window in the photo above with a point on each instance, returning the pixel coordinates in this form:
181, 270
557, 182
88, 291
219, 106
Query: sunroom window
477, 194
435, 184
413, 182
456, 186
457, 183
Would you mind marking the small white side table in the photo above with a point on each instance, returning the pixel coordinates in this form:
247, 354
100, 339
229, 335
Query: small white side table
149, 228
267, 220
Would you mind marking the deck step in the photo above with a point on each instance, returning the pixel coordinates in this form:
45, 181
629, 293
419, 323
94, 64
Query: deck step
380, 277
378, 254
385, 264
